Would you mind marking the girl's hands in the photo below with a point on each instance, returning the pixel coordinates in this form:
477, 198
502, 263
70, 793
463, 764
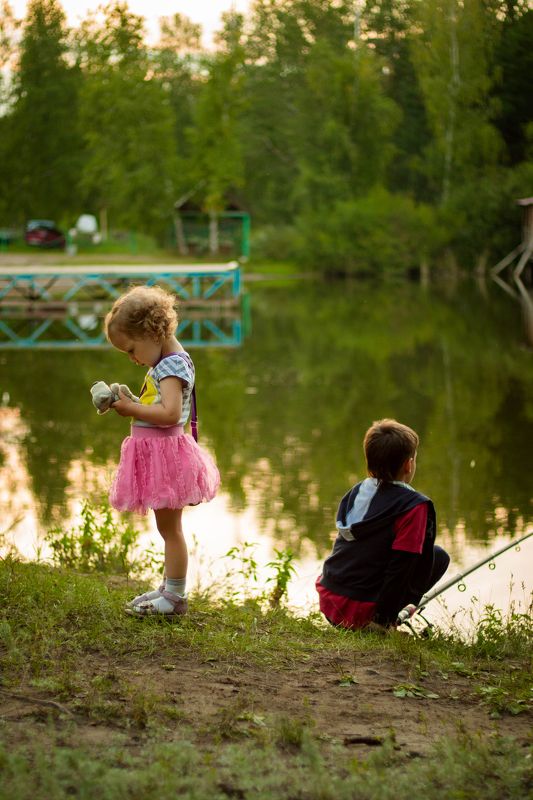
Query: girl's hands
124, 406
167, 412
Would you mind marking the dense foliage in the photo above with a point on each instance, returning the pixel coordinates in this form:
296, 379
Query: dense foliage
346, 130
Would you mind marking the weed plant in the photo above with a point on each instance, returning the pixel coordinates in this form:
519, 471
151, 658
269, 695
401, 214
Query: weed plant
100, 543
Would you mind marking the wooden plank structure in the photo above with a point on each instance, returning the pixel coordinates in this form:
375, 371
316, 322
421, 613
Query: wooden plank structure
524, 250
61, 307
188, 281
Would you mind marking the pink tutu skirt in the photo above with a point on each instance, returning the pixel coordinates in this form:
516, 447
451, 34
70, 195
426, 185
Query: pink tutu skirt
162, 468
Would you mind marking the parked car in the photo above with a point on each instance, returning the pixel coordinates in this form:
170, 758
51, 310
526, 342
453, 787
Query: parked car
43, 233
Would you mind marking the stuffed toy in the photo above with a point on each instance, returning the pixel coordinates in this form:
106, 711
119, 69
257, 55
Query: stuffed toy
104, 395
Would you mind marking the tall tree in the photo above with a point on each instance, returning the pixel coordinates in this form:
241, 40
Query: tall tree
277, 49
44, 149
345, 124
514, 56
454, 64
8, 25
127, 122
319, 122
389, 29
175, 63
215, 137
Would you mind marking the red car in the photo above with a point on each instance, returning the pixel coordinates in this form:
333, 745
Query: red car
43, 233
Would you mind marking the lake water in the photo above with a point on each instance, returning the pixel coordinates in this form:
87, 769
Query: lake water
284, 415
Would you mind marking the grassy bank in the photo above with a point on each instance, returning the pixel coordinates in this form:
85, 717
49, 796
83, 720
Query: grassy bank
240, 700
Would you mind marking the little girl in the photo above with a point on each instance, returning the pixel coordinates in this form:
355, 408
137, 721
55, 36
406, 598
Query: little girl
161, 467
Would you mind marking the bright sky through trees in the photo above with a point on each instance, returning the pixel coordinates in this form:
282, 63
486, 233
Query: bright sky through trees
205, 12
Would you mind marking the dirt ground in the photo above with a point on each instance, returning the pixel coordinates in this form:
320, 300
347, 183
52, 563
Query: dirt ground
219, 699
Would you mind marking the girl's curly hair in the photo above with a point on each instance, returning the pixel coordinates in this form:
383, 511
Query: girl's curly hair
143, 312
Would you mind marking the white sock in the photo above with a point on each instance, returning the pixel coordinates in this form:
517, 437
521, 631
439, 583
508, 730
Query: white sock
151, 595
160, 603
146, 596
176, 585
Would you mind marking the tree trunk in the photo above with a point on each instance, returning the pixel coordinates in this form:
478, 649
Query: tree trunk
453, 91
424, 273
213, 232
183, 250
103, 223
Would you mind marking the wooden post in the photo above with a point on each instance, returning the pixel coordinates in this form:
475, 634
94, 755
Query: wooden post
213, 232
527, 220
103, 223
525, 248
424, 273
527, 235
180, 236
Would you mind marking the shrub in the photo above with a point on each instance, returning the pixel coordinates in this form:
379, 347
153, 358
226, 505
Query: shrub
378, 234
274, 242
483, 217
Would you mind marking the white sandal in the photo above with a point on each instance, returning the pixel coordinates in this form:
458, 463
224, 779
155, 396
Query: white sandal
146, 597
146, 608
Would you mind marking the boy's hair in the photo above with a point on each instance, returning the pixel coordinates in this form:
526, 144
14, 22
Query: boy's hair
388, 444
143, 312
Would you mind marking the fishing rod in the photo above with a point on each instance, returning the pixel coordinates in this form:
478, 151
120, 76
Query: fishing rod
406, 613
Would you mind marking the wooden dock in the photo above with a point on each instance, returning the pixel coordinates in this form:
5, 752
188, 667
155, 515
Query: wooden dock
62, 306
190, 282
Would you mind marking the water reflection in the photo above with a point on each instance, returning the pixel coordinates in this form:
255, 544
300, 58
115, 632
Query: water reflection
78, 326
516, 289
284, 416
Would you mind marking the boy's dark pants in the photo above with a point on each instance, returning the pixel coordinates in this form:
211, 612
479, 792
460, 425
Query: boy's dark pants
424, 582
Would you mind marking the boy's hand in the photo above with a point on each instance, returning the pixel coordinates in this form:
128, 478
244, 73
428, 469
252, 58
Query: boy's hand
406, 613
123, 406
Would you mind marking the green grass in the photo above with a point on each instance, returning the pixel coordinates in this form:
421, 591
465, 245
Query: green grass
119, 248
273, 269
53, 616
143, 249
65, 640
494, 769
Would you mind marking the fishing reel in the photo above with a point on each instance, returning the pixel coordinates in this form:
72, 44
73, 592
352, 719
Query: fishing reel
406, 615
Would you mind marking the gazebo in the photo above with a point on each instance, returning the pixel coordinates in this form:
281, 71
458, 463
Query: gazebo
224, 232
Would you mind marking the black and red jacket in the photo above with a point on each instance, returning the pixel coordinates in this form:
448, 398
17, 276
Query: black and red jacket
383, 553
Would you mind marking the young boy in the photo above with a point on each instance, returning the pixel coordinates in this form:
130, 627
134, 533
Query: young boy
384, 557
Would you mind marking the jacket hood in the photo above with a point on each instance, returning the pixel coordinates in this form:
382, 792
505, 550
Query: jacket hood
370, 503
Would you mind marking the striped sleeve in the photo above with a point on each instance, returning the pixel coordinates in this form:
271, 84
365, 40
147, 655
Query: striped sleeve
174, 367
